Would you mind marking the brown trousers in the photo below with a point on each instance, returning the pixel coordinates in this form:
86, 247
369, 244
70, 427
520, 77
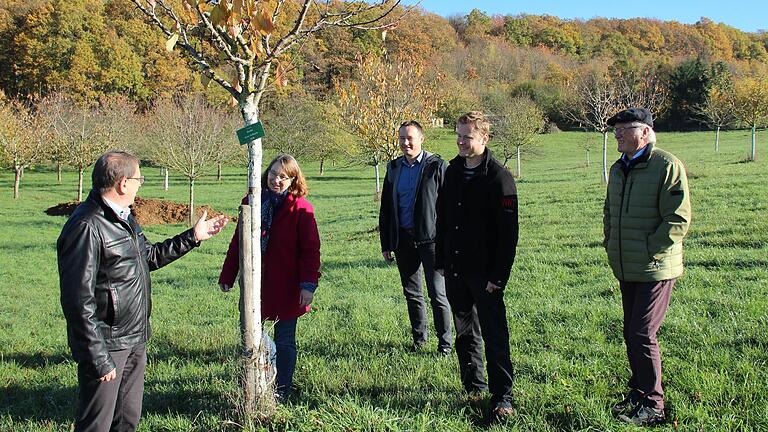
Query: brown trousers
645, 305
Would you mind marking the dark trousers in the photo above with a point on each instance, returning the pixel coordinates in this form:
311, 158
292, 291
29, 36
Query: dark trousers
285, 343
113, 405
645, 305
410, 259
480, 317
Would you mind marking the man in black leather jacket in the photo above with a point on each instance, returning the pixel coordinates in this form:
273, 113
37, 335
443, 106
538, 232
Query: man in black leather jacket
104, 263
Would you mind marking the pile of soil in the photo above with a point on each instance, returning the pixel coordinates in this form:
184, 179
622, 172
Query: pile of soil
146, 211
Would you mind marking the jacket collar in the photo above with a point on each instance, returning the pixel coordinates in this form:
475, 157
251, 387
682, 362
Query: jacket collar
460, 160
642, 160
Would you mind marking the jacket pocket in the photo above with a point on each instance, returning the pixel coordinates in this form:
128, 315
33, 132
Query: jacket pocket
117, 242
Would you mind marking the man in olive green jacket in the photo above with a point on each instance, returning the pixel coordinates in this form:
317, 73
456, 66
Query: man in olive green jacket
646, 215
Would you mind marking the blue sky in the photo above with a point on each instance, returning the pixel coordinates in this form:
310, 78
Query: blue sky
747, 15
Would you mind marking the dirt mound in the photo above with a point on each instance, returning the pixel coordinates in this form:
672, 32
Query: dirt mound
146, 211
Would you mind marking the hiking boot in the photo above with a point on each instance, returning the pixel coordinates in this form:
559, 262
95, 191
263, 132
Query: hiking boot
627, 405
502, 411
644, 416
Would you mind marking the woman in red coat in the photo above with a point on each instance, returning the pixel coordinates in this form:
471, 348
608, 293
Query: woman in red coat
290, 248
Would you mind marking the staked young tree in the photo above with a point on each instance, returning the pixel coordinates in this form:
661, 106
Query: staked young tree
255, 41
385, 95
186, 132
81, 133
596, 98
750, 105
717, 111
518, 123
23, 139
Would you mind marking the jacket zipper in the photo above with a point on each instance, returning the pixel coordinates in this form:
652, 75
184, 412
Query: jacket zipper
144, 291
629, 193
623, 189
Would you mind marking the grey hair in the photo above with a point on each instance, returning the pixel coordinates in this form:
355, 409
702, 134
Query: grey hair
111, 167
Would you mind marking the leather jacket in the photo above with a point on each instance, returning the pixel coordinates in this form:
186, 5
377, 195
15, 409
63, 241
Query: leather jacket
104, 264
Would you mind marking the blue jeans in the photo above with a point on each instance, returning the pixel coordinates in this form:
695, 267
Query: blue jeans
285, 340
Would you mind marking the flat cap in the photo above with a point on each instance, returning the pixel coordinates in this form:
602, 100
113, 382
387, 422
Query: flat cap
630, 115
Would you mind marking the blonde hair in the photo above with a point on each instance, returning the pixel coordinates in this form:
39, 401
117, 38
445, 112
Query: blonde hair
476, 119
289, 164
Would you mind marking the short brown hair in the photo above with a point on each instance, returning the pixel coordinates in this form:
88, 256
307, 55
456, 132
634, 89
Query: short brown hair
298, 186
476, 119
111, 167
413, 123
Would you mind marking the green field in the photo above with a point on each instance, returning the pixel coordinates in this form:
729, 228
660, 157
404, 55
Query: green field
355, 371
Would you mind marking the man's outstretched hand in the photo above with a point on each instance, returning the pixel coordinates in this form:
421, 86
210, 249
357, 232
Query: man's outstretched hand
205, 229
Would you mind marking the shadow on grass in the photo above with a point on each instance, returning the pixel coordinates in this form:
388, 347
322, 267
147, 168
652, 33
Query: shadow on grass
43, 403
38, 360
362, 263
720, 265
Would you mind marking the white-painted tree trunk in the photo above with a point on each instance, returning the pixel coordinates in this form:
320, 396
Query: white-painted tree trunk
17, 180
165, 178
717, 140
255, 361
191, 218
605, 157
378, 179
519, 164
753, 155
80, 184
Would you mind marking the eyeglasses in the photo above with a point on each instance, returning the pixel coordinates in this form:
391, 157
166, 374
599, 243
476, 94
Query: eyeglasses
281, 177
618, 131
138, 179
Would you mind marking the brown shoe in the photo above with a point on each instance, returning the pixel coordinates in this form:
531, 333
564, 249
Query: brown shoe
501, 412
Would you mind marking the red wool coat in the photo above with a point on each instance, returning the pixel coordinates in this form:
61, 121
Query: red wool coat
292, 257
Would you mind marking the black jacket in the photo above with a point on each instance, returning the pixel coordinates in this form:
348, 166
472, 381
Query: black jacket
424, 212
477, 225
104, 265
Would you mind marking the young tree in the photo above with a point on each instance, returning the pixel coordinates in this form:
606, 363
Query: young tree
187, 132
254, 40
82, 133
307, 129
374, 106
717, 111
22, 139
596, 98
750, 104
518, 124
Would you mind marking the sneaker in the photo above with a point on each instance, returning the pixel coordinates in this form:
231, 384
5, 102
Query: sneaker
627, 405
644, 416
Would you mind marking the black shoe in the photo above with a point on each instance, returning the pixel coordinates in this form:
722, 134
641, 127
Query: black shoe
444, 351
644, 416
627, 405
418, 346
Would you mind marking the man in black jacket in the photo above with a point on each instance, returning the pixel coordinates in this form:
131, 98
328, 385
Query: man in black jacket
407, 228
477, 234
104, 264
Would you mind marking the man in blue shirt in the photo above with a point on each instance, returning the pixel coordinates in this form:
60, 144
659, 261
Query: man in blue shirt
407, 230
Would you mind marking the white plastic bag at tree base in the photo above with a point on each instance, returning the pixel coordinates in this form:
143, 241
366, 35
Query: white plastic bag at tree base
271, 348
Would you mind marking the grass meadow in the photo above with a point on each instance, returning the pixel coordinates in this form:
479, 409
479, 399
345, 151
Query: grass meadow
355, 372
